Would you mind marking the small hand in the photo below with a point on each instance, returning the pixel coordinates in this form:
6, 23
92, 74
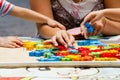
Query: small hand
63, 38
10, 42
97, 20
53, 23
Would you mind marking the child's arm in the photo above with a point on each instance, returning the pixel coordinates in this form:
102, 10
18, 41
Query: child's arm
6, 8
113, 14
34, 16
28, 14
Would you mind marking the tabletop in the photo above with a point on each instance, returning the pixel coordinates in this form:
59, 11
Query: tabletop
16, 63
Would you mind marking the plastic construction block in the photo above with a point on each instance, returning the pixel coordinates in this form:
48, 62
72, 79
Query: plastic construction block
57, 58
71, 47
54, 50
74, 51
42, 59
66, 59
29, 45
96, 54
47, 59
39, 47
48, 54
36, 53
95, 43
95, 37
83, 43
89, 42
32, 53
45, 50
105, 59
89, 27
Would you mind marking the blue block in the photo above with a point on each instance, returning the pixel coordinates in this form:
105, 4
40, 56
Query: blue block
103, 44
89, 27
83, 42
42, 52
47, 50
80, 43
38, 53
42, 59
53, 59
31, 53
48, 59
86, 42
95, 42
72, 47
57, 58
73, 51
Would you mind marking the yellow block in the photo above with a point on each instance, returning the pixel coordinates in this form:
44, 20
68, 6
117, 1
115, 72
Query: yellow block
105, 59
27, 78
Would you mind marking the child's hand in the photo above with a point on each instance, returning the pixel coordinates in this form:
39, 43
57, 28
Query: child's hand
62, 37
94, 16
97, 20
10, 42
54, 23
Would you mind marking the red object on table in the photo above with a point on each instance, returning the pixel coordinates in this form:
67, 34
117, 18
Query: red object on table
10, 78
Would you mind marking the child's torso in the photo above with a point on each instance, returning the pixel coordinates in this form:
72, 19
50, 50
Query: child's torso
71, 13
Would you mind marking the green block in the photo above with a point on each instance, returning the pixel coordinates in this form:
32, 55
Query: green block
106, 47
94, 37
96, 54
47, 54
65, 59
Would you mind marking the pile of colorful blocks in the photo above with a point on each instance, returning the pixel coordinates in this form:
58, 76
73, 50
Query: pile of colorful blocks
86, 50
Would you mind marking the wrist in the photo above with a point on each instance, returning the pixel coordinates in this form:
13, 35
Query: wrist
105, 27
105, 12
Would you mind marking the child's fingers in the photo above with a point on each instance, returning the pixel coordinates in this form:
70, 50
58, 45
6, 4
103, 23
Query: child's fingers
65, 36
15, 45
98, 30
9, 46
18, 42
72, 40
84, 30
98, 27
54, 40
47, 41
61, 40
89, 17
96, 18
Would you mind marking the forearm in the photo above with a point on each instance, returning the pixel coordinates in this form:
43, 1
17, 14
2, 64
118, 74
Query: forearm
112, 3
28, 15
111, 28
113, 14
46, 31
